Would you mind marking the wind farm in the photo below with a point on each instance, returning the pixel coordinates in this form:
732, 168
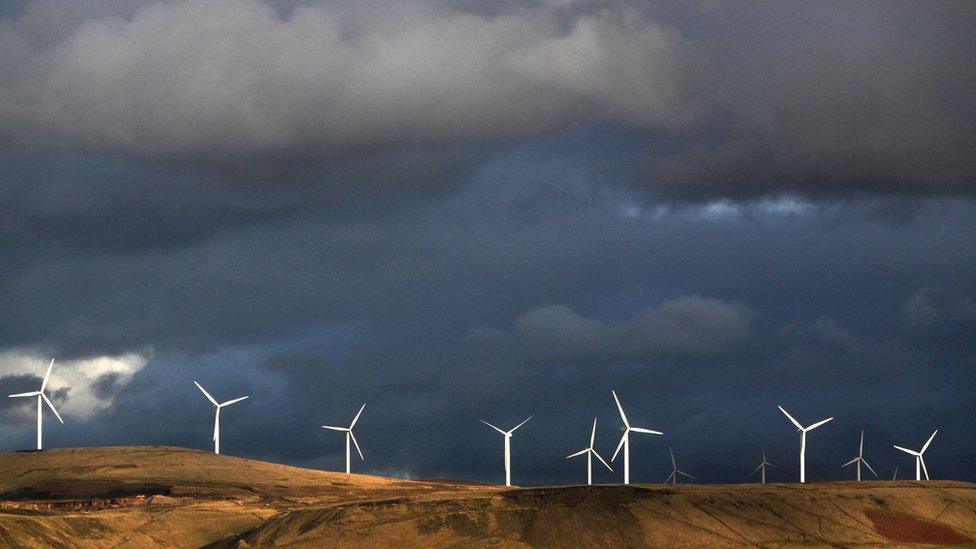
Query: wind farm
228, 227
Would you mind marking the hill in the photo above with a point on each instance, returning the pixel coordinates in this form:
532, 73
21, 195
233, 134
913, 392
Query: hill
163, 496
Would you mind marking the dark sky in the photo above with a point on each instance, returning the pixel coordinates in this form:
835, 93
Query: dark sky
456, 211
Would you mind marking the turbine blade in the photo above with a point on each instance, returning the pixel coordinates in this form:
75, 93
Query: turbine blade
906, 450
206, 394
492, 426
620, 445
770, 464
521, 424
929, 441
673, 464
581, 452
685, 474
229, 402
359, 413
924, 468
47, 376
866, 464
343, 429
850, 462
623, 416
51, 405
353, 437
607, 465
216, 433
787, 414
756, 470
30, 394
818, 424
670, 477
648, 431
593, 433
860, 449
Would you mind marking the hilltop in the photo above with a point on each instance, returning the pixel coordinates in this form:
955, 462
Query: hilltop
165, 496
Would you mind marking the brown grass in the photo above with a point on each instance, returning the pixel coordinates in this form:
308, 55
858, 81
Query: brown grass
908, 529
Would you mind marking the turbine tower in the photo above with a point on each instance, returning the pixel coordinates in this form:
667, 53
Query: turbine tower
919, 460
590, 451
673, 477
350, 437
762, 467
218, 406
508, 447
625, 438
803, 440
41, 397
860, 459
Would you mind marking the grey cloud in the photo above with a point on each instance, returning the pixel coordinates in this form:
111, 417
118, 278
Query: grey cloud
206, 78
927, 307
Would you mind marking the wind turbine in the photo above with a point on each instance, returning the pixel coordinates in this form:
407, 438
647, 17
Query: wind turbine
350, 437
762, 467
590, 451
803, 440
919, 460
625, 438
895, 475
41, 397
673, 477
218, 406
508, 447
860, 459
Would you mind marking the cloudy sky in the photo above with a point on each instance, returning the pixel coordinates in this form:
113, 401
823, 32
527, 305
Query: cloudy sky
459, 210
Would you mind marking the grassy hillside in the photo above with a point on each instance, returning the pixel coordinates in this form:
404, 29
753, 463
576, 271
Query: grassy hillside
164, 496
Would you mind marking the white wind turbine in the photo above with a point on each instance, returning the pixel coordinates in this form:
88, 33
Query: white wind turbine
803, 440
508, 447
860, 459
625, 438
762, 467
218, 406
673, 477
919, 460
350, 437
41, 397
590, 451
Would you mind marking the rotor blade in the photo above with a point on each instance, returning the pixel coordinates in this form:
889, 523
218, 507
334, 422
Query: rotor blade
860, 449
493, 427
864, 461
924, 468
648, 431
51, 405
521, 424
756, 470
229, 402
216, 434
906, 450
47, 376
818, 424
787, 414
353, 437
601, 460
359, 413
623, 416
770, 464
929, 441
581, 452
343, 429
685, 474
593, 433
206, 394
620, 445
30, 394
673, 464
850, 462
671, 476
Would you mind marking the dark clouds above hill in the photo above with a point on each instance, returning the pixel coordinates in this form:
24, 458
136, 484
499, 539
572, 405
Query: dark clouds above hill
463, 209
